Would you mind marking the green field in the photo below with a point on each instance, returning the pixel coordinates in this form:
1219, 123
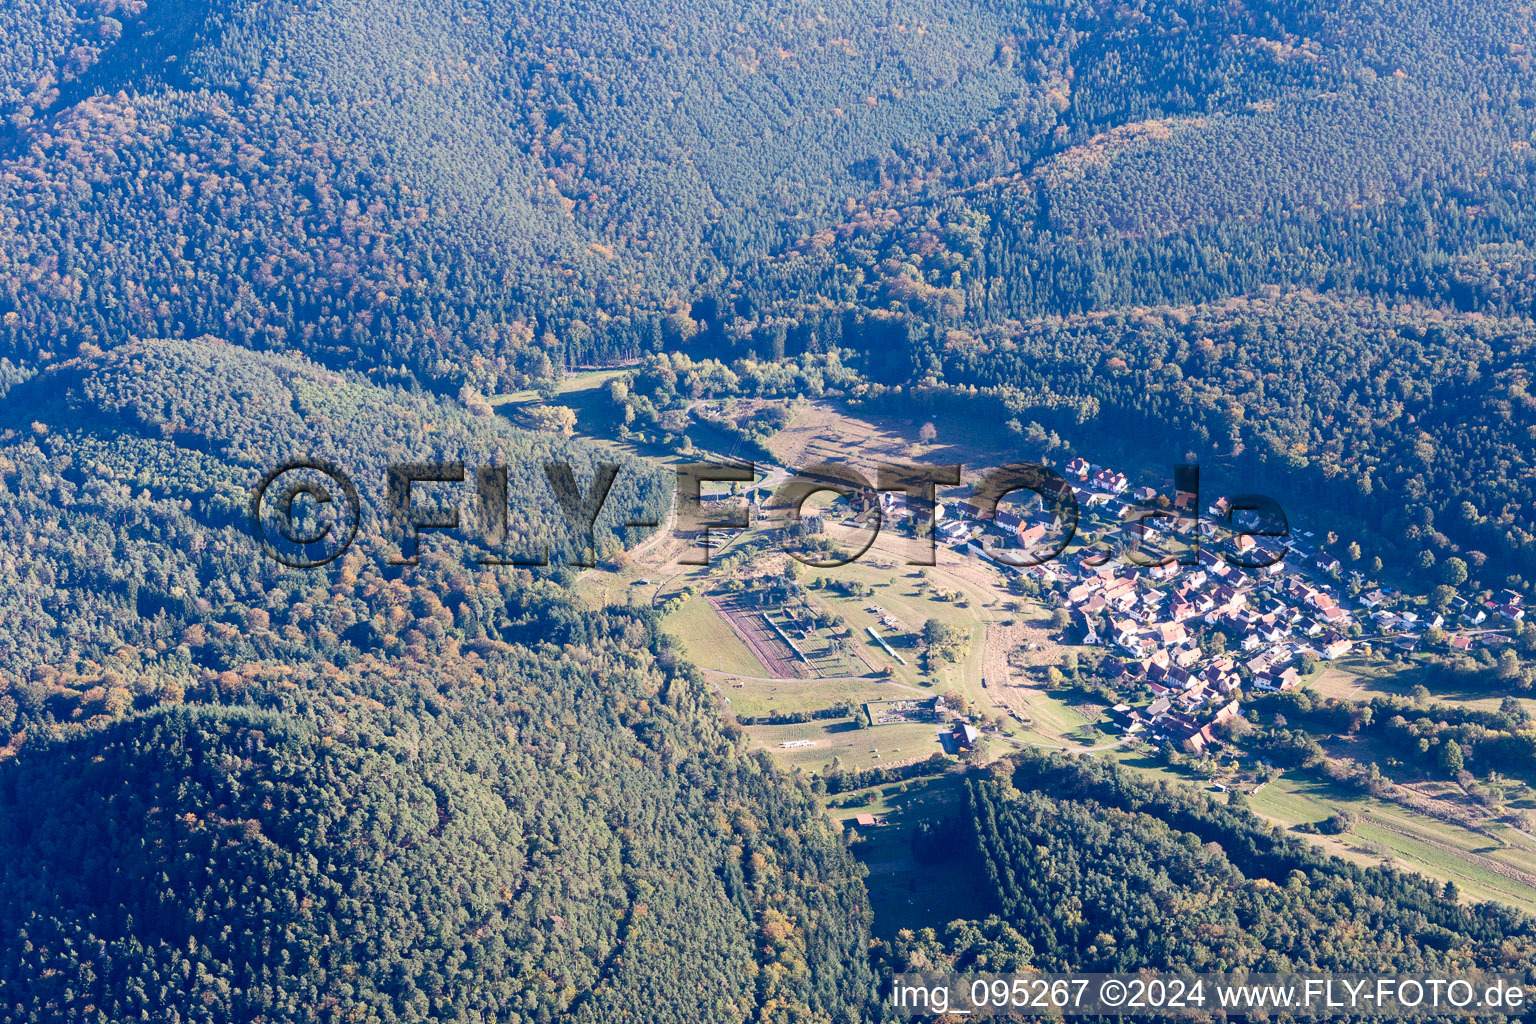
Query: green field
709, 640
1359, 679
1414, 841
900, 593
581, 391
584, 393
854, 748
756, 697
1057, 718
825, 658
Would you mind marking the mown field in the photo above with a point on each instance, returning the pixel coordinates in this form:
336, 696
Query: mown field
756, 697
1359, 679
902, 592
585, 394
709, 640
852, 747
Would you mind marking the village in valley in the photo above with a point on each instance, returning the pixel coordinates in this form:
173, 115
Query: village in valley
1278, 615
1153, 634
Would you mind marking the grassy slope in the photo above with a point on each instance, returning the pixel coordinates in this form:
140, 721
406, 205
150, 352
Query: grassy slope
710, 642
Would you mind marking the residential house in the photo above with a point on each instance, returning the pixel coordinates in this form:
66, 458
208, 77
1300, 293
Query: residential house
1109, 480
1229, 599
1188, 656
1338, 648
968, 510
955, 530
1335, 616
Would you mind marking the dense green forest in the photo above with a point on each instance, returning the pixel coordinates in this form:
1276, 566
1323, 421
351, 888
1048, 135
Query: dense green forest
512, 834
1291, 238
1090, 868
1294, 230
233, 791
126, 478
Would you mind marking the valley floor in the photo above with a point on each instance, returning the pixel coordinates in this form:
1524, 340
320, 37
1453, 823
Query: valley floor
1000, 679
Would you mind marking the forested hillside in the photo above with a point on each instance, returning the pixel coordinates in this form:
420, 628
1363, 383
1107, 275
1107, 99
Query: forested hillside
233, 791
126, 480
497, 191
1329, 280
420, 184
518, 834
1092, 869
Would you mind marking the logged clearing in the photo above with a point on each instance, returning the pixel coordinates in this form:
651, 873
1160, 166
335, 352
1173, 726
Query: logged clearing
819, 432
902, 892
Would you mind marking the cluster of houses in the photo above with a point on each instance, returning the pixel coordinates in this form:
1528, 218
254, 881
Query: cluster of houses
1496, 619
956, 521
1180, 718
1155, 626
1153, 617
